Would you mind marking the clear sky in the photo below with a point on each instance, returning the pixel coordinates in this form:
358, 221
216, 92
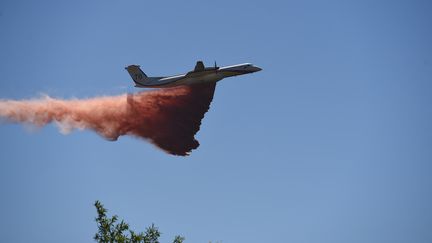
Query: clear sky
331, 142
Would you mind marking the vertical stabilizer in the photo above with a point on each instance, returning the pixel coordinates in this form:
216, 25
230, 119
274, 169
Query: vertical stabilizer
136, 74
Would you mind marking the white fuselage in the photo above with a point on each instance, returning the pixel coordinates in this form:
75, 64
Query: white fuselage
194, 77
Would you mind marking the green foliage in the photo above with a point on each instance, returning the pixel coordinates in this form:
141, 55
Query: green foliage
178, 239
109, 231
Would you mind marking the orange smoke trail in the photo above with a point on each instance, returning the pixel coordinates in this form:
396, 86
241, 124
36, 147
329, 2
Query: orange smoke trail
169, 118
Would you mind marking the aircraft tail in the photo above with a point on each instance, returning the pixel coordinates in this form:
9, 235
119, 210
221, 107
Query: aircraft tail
138, 76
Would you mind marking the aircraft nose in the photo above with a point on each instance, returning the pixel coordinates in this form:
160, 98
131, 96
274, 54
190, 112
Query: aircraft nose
257, 69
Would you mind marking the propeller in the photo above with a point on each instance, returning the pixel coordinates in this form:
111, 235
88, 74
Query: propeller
215, 66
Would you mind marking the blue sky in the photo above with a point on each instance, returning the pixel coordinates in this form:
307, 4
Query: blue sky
331, 142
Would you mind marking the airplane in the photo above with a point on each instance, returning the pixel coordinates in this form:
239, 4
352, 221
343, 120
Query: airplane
200, 74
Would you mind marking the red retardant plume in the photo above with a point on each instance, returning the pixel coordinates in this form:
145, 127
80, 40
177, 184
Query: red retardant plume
169, 118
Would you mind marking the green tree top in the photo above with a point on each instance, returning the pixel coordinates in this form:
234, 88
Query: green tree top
109, 231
